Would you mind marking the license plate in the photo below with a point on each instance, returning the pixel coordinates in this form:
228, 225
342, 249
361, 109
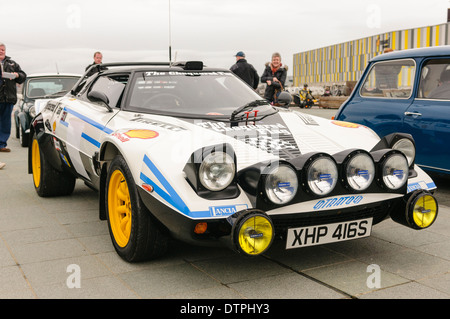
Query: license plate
329, 233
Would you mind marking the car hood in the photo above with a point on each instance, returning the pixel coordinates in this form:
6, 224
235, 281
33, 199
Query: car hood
285, 135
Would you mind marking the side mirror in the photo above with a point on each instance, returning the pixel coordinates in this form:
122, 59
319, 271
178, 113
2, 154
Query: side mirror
284, 99
97, 96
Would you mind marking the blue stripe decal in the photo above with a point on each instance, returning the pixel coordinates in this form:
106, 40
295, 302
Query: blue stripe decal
171, 195
88, 120
64, 123
417, 185
175, 198
90, 140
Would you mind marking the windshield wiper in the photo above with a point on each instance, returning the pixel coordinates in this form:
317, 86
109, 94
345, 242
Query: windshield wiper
56, 93
247, 106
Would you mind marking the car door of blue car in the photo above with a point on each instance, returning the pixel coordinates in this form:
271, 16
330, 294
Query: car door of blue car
382, 97
427, 119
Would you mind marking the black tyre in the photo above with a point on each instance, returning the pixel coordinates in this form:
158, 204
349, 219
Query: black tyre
47, 180
23, 137
134, 233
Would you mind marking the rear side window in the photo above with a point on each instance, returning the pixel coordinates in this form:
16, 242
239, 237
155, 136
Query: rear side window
435, 80
390, 79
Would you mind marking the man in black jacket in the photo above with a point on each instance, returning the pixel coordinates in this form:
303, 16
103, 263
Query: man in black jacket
245, 70
274, 76
12, 74
98, 57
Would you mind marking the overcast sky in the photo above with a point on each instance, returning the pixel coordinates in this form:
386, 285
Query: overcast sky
41, 35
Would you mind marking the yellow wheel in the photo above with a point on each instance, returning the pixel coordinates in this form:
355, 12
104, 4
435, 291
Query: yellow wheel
36, 163
49, 179
135, 234
119, 208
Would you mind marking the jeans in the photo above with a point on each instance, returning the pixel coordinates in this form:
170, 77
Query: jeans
5, 122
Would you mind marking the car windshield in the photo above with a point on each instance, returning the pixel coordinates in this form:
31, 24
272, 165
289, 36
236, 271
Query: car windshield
40, 87
210, 94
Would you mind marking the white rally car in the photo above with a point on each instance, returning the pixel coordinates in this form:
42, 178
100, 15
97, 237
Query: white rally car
192, 152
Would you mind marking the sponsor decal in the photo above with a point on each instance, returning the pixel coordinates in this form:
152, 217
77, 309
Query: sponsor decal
163, 125
120, 137
272, 138
63, 116
338, 202
345, 124
142, 134
420, 185
56, 144
226, 210
264, 129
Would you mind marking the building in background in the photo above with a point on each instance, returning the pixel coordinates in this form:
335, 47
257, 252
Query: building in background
341, 65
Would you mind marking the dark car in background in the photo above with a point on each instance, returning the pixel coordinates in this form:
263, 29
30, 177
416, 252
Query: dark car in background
407, 91
37, 89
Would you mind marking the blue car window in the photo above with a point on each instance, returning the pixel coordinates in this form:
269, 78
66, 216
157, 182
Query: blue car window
390, 79
435, 80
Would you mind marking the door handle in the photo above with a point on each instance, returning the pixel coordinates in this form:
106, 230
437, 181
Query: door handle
413, 114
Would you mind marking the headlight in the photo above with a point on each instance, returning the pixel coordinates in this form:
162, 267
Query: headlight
395, 171
360, 171
32, 111
217, 171
406, 146
322, 175
281, 184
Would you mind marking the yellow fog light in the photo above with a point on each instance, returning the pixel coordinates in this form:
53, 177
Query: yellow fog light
424, 211
253, 234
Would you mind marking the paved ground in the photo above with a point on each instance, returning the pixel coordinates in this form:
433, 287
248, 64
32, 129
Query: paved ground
58, 248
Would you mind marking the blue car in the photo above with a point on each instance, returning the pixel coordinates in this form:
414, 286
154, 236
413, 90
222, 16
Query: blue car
407, 91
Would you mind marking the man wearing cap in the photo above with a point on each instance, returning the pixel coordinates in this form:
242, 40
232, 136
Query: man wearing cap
245, 70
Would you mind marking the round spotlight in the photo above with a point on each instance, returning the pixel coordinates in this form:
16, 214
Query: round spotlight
406, 146
395, 171
360, 171
217, 171
281, 184
422, 211
253, 234
322, 175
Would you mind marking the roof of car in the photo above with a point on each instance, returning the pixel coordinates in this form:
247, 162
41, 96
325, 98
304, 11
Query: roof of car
157, 66
414, 53
41, 75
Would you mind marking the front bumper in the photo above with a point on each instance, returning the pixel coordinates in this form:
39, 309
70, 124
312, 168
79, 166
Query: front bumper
229, 230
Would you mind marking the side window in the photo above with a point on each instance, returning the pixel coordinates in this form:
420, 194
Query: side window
390, 79
435, 80
113, 86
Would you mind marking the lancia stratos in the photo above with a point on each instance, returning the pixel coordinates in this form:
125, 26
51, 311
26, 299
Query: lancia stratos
180, 150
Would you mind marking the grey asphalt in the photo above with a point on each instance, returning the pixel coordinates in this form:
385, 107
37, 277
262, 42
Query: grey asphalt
58, 248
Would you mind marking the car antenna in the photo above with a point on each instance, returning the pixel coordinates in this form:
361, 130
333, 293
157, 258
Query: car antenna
57, 70
170, 39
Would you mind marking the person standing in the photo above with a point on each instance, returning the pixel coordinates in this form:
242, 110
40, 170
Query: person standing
245, 70
12, 74
98, 57
274, 76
